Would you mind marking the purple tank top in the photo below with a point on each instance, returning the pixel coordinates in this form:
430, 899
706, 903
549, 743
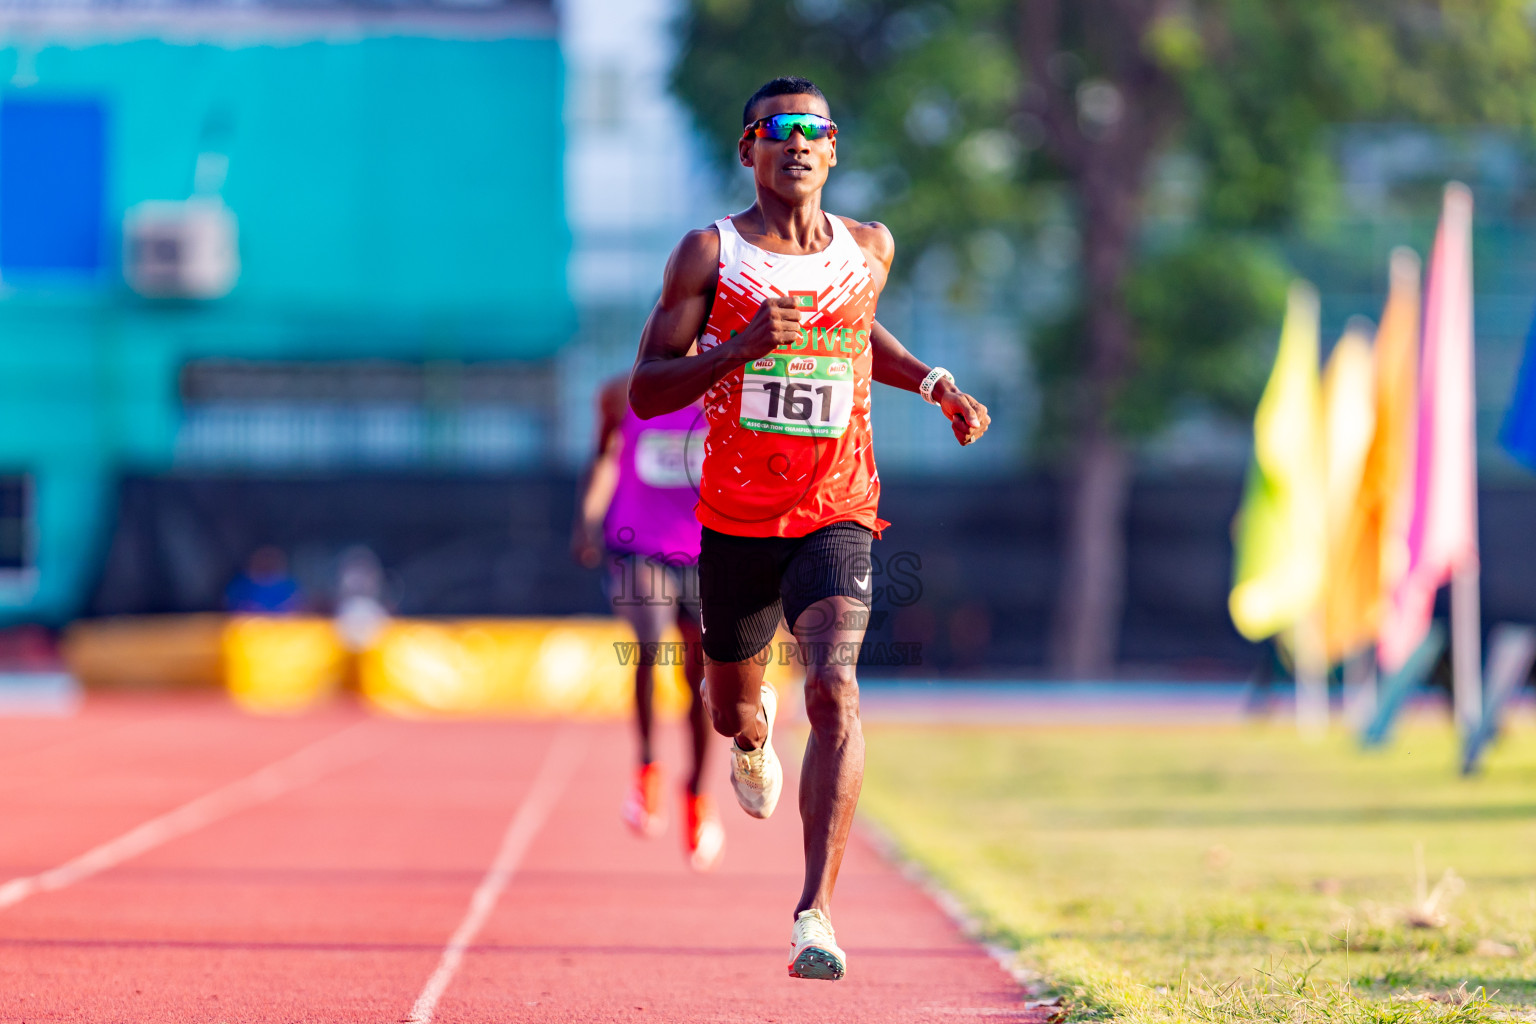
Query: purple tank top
659, 462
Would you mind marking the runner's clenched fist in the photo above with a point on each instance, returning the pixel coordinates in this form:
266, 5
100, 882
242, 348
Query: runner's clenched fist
776, 324
967, 417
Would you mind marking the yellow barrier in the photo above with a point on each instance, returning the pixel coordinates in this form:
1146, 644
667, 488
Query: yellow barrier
543, 667
567, 667
145, 652
551, 667
281, 665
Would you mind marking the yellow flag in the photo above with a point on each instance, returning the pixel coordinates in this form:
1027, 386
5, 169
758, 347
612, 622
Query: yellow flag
1280, 531
1349, 426
1370, 554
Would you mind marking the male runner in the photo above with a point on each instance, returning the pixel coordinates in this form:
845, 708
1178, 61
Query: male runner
636, 499
780, 300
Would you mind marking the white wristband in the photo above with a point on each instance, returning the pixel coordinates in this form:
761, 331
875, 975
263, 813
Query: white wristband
931, 381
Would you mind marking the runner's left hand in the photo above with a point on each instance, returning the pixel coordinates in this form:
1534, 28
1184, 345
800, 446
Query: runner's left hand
586, 546
967, 417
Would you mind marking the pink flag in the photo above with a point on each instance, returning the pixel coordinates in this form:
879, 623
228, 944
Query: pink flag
1442, 530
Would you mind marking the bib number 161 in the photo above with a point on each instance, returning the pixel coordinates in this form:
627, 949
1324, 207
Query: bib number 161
798, 404
814, 408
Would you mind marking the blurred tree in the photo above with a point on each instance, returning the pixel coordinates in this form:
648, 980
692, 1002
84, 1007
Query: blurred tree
963, 116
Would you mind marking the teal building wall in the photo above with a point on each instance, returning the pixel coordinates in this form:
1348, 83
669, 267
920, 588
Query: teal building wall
396, 197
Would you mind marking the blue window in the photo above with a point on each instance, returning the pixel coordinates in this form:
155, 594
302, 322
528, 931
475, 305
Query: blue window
16, 522
52, 168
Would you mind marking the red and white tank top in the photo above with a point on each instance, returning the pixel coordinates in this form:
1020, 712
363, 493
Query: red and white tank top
789, 448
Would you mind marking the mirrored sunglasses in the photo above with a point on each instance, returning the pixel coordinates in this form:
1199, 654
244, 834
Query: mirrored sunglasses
780, 127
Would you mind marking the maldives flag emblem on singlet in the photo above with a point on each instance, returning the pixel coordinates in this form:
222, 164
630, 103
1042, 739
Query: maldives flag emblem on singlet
789, 447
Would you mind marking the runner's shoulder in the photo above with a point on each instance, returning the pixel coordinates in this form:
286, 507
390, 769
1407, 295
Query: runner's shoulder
695, 261
699, 243
873, 237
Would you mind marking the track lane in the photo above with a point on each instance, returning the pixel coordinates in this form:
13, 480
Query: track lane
548, 786
123, 766
268, 783
245, 920
335, 901
603, 926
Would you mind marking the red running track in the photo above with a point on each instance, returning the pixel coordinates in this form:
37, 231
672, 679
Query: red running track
319, 867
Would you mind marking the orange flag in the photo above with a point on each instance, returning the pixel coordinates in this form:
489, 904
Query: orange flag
1369, 554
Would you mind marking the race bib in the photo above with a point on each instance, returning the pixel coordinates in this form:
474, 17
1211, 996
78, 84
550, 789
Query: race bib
666, 458
811, 396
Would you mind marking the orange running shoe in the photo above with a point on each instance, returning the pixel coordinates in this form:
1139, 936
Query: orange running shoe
642, 810
705, 836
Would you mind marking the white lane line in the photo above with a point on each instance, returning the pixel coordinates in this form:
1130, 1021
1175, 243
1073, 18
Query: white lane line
554, 774
292, 772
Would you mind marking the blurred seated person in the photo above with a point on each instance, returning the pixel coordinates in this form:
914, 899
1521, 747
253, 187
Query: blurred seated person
265, 586
360, 609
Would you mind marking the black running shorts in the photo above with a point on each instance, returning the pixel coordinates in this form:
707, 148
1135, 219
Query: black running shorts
747, 583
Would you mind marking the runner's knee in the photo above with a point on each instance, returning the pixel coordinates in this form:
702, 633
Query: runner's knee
831, 698
729, 718
722, 720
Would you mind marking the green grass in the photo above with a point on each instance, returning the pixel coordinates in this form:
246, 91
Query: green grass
1230, 874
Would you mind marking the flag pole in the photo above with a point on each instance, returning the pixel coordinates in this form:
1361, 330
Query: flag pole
1466, 611
1311, 679
1466, 647
1360, 688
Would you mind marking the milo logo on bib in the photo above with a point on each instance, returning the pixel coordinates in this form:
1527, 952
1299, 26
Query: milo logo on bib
809, 396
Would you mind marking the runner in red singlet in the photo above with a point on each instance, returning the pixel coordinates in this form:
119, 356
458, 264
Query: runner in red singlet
780, 301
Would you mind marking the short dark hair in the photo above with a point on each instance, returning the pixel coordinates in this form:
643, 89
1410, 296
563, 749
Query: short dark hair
790, 85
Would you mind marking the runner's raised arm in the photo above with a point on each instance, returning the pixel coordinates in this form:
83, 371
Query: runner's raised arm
666, 378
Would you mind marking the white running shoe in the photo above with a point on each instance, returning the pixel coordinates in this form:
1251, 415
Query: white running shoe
756, 775
816, 955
